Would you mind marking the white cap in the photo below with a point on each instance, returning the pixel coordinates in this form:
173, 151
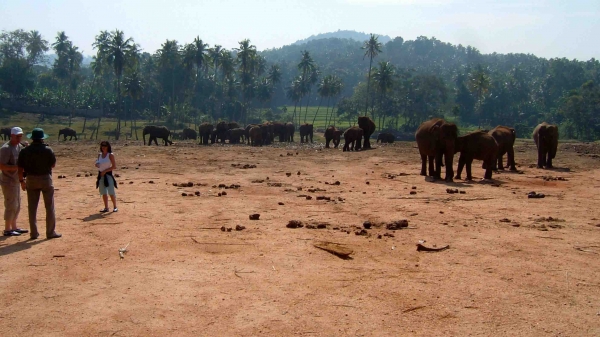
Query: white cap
16, 131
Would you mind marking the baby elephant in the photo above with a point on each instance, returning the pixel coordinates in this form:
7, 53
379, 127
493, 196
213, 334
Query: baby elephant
385, 137
476, 145
352, 138
332, 133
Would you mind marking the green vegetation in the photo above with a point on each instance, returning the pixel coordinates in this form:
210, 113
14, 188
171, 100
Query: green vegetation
398, 84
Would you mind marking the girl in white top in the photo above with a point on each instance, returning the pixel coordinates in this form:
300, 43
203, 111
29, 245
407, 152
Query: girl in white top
106, 164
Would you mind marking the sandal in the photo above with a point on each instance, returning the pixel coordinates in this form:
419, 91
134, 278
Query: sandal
104, 210
115, 209
20, 230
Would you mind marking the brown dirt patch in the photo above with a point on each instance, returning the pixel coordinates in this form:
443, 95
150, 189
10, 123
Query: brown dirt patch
183, 276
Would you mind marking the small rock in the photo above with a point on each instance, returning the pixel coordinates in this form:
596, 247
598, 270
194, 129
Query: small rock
229, 229
368, 183
367, 225
309, 226
254, 216
322, 226
223, 193
280, 203
414, 187
361, 232
223, 228
413, 192
298, 172
184, 194
219, 194
464, 192
398, 224
289, 174
336, 182
308, 197
197, 193
131, 182
239, 227
504, 220
294, 224
151, 182
78, 175
379, 236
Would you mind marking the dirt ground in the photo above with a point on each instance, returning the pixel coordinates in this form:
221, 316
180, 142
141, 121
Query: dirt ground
515, 267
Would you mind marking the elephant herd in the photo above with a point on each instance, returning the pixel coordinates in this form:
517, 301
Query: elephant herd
438, 141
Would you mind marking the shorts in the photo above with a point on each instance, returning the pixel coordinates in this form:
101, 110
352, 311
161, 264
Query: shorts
110, 189
12, 201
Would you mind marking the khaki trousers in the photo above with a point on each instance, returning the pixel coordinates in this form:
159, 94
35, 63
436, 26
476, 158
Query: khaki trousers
12, 201
35, 185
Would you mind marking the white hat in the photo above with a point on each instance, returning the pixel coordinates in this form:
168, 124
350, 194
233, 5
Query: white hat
16, 131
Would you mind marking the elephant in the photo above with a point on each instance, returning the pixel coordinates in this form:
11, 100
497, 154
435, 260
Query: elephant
306, 131
436, 139
267, 133
476, 145
385, 137
255, 135
67, 132
232, 125
368, 127
291, 129
188, 133
5, 133
545, 137
332, 133
205, 131
220, 129
156, 132
234, 135
352, 138
505, 137
279, 130
247, 132
213, 136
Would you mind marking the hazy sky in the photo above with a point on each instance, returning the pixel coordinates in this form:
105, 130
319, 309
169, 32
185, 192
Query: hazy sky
546, 28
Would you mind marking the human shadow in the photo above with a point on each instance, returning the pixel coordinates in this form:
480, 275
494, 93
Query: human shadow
454, 183
559, 169
19, 246
95, 216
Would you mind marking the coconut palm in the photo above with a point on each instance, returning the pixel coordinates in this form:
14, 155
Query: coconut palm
215, 54
294, 94
134, 89
372, 48
246, 54
384, 78
119, 52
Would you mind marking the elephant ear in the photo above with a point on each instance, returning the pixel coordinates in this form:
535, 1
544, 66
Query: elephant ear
435, 128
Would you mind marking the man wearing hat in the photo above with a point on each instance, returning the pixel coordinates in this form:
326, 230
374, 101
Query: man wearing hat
38, 160
9, 180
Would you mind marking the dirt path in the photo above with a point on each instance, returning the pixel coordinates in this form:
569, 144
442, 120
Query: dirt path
510, 270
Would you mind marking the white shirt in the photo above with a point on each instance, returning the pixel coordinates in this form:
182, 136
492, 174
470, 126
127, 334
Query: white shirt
104, 163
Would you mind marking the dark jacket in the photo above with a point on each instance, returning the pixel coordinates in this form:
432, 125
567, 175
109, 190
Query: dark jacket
106, 179
37, 159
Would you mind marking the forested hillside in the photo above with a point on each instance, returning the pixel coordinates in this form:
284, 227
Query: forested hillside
398, 83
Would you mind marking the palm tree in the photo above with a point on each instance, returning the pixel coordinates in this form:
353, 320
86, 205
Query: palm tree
246, 54
119, 53
336, 86
306, 66
274, 76
134, 89
294, 94
215, 54
36, 48
200, 55
479, 83
324, 90
372, 48
264, 91
384, 77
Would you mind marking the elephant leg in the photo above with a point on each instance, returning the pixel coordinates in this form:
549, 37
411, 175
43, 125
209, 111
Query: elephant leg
488, 171
468, 163
461, 164
311, 135
431, 160
541, 156
511, 159
549, 161
345, 148
423, 165
500, 163
327, 140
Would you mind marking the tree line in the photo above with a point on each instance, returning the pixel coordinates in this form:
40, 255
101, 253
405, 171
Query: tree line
399, 84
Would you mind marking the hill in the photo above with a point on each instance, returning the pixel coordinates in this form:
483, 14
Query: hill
344, 34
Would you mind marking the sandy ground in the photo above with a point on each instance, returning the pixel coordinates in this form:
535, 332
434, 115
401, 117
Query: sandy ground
509, 271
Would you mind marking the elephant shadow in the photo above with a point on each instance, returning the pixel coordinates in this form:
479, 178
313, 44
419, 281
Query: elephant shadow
94, 216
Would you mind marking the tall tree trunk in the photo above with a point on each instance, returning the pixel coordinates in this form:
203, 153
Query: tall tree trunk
84, 121
368, 86
316, 113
